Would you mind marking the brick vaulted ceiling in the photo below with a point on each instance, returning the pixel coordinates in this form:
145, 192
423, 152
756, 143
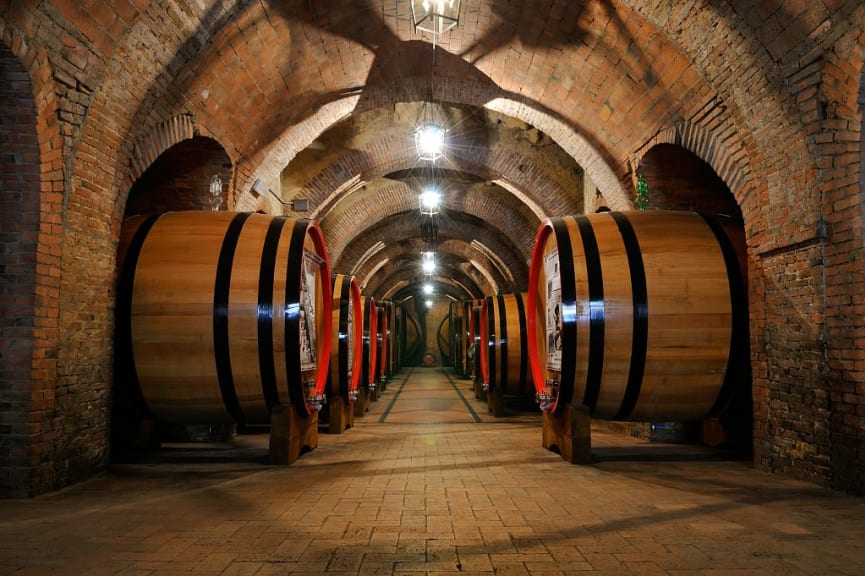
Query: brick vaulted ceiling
316, 98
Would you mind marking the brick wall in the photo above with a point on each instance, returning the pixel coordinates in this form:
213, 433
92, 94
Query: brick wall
19, 218
179, 179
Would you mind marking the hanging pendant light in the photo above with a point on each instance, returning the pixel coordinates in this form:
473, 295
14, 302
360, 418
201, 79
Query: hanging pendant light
428, 262
429, 139
435, 16
430, 201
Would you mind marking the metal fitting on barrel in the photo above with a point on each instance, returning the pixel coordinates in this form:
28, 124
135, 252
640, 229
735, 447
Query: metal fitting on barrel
547, 399
485, 386
315, 401
353, 394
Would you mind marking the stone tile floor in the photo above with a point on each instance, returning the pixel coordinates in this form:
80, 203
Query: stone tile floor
427, 483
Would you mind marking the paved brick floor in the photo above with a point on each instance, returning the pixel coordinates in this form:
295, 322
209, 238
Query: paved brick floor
428, 483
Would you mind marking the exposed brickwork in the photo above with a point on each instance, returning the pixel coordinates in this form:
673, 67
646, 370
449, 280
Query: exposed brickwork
179, 179
491, 203
679, 180
34, 197
406, 254
19, 217
842, 146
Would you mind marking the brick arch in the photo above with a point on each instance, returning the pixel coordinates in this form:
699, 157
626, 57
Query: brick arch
157, 141
729, 164
536, 189
403, 263
678, 179
396, 201
388, 277
493, 205
33, 199
459, 281
842, 98
179, 176
452, 90
488, 247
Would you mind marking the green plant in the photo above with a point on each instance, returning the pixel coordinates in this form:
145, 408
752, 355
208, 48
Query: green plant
642, 200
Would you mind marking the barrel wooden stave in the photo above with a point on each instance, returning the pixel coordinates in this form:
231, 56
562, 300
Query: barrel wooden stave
504, 344
688, 323
347, 338
174, 284
370, 343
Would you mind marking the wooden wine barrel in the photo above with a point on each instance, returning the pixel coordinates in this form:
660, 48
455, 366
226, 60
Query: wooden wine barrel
638, 315
382, 344
223, 316
444, 340
455, 326
400, 336
504, 345
347, 339
370, 347
466, 337
473, 356
390, 340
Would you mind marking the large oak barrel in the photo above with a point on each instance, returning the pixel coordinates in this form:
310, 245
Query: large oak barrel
382, 344
638, 315
392, 334
467, 335
370, 342
455, 325
473, 354
444, 341
347, 340
222, 316
504, 345
413, 339
389, 339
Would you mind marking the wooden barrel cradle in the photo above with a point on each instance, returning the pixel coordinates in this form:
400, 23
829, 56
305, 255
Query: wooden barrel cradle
504, 349
347, 339
638, 315
223, 316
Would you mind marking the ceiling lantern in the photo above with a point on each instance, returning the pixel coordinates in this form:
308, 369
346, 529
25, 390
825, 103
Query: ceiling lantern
435, 16
429, 139
430, 201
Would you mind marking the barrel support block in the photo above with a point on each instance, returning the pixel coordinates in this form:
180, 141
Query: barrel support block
291, 434
340, 415
569, 433
496, 401
361, 404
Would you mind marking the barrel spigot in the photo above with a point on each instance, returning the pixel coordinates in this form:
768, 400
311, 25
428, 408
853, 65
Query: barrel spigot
485, 386
372, 386
353, 394
547, 399
315, 401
